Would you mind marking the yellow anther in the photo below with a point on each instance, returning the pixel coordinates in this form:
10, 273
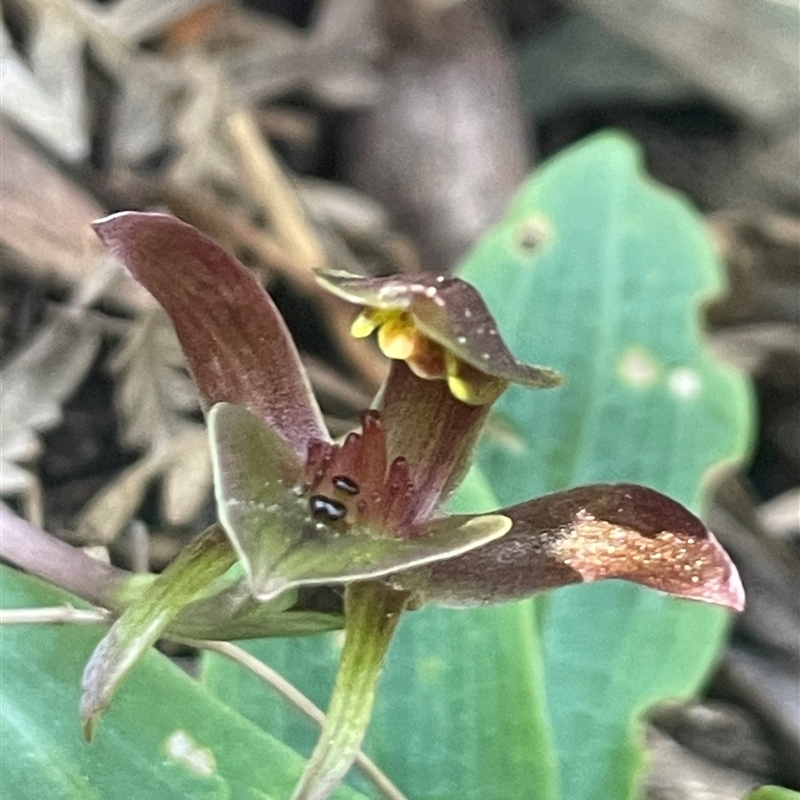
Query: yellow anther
397, 338
362, 326
400, 339
469, 385
460, 389
368, 320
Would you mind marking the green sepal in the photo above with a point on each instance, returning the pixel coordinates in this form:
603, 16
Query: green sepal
263, 508
143, 622
233, 613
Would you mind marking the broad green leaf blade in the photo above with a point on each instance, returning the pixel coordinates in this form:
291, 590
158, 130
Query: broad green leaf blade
772, 793
166, 736
611, 652
601, 273
609, 273
459, 713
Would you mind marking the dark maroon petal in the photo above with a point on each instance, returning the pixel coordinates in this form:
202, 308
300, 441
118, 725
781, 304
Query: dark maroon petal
450, 312
588, 534
432, 430
236, 342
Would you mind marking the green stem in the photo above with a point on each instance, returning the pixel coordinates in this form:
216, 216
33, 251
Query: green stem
372, 612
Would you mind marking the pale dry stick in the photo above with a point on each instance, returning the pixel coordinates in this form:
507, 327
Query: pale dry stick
271, 188
205, 210
33, 501
54, 615
328, 381
296, 698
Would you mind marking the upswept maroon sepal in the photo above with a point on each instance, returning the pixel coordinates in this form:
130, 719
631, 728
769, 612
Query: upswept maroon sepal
234, 338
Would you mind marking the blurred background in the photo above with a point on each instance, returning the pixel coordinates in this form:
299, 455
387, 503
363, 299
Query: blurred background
386, 136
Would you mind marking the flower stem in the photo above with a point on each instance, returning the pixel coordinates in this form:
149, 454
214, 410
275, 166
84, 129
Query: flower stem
372, 612
292, 695
30, 548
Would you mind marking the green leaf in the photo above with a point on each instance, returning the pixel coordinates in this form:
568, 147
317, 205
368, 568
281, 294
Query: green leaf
609, 272
772, 793
165, 737
459, 712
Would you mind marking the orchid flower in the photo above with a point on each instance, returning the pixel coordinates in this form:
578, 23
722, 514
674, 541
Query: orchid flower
366, 514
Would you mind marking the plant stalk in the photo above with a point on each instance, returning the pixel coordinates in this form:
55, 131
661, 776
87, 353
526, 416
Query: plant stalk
37, 552
372, 612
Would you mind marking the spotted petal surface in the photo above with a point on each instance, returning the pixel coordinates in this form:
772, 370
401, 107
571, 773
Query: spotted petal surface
588, 534
450, 312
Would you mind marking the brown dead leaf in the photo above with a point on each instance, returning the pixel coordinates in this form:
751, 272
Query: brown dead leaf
45, 216
332, 61
36, 381
188, 477
183, 464
153, 390
44, 92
